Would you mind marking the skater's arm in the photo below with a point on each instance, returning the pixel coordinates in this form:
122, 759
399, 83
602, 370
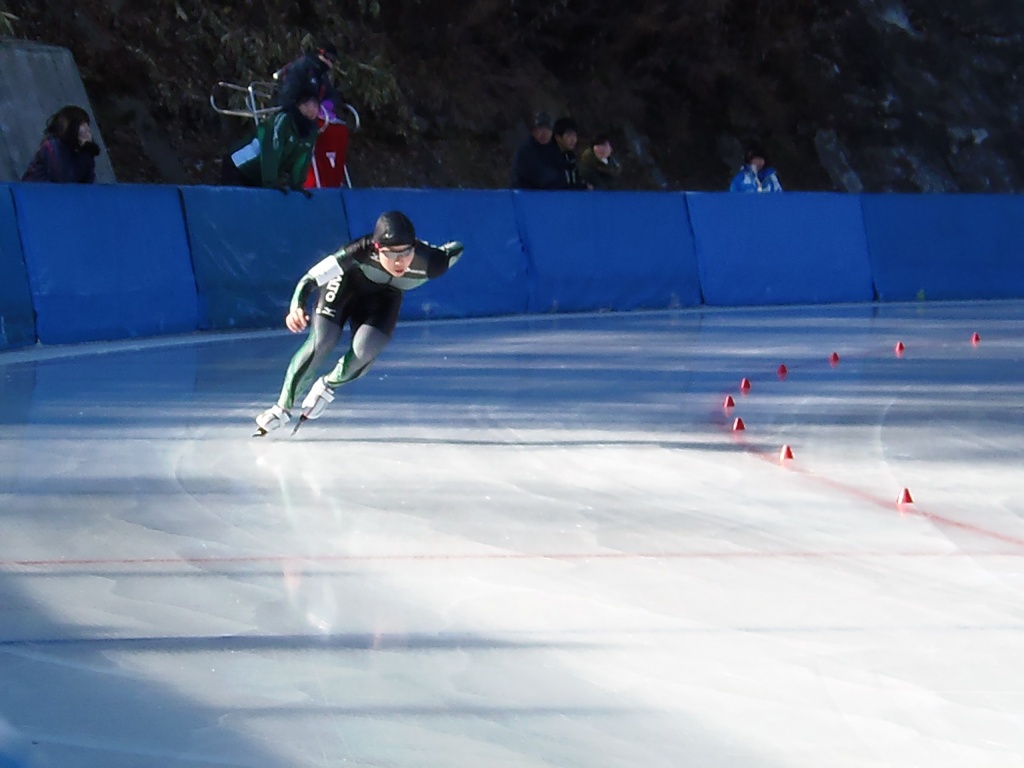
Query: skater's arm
320, 274
297, 319
326, 270
454, 250
303, 290
443, 258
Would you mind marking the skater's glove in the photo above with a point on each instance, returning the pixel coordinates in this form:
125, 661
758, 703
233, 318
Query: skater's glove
454, 250
305, 192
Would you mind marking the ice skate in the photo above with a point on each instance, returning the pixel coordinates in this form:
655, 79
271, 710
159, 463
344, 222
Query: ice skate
273, 418
319, 397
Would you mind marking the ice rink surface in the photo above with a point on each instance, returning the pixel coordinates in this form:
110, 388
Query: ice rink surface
525, 542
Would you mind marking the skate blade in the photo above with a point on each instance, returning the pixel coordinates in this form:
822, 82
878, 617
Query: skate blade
302, 420
260, 432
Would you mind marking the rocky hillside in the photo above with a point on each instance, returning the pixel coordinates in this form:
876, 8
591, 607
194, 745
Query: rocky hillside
856, 95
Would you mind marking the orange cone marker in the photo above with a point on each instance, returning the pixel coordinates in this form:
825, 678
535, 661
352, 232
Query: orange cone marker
976, 339
785, 453
729, 402
738, 425
905, 497
834, 359
745, 385
783, 371
900, 349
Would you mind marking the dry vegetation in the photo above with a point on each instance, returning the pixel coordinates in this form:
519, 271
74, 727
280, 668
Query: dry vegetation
445, 91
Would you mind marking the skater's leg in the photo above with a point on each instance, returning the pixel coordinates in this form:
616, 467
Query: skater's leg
373, 321
367, 343
320, 341
323, 336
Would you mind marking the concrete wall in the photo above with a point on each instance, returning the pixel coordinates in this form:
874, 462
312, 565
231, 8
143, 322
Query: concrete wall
35, 81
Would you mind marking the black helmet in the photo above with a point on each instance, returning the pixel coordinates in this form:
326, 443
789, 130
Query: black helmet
394, 228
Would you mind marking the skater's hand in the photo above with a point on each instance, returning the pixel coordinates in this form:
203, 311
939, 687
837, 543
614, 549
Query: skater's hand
296, 320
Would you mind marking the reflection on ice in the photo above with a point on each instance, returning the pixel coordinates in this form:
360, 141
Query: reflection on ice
524, 542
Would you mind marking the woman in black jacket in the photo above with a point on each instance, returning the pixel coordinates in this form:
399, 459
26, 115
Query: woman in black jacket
67, 153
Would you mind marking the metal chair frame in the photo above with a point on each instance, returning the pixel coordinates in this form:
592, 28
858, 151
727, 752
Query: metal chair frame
257, 95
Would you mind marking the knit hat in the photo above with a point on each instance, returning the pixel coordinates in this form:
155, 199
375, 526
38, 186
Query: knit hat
564, 125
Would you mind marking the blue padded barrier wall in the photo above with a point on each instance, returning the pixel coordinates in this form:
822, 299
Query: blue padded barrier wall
17, 320
251, 246
107, 261
790, 248
490, 279
945, 246
596, 250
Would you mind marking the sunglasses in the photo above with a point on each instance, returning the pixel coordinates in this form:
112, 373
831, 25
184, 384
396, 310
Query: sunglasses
396, 253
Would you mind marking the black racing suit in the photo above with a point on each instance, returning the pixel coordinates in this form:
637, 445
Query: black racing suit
355, 288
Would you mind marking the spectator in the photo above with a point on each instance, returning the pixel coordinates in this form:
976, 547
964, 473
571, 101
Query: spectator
311, 71
536, 163
67, 153
769, 179
755, 175
565, 134
278, 156
598, 169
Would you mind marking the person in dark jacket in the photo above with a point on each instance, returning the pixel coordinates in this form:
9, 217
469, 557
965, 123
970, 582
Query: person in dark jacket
537, 163
279, 154
565, 134
67, 153
311, 71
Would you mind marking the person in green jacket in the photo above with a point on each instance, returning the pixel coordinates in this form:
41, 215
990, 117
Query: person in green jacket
279, 155
598, 167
